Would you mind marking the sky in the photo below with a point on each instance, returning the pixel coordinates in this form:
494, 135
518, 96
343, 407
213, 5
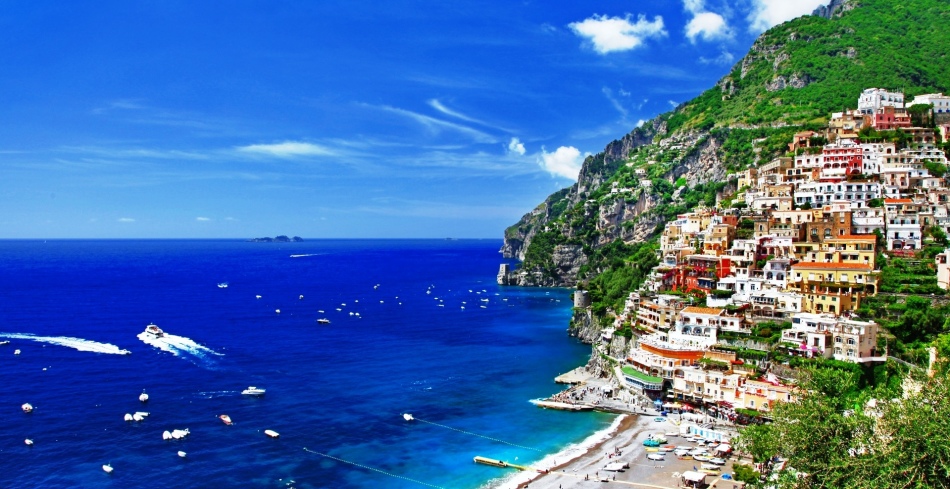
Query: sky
333, 119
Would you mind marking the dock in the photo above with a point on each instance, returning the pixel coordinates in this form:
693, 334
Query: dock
498, 463
563, 406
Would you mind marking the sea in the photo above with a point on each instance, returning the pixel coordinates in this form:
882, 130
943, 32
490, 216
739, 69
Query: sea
415, 327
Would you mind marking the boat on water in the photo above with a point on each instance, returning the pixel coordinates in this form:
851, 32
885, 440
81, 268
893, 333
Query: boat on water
154, 331
4, 342
143, 396
27, 407
223, 285
182, 454
107, 468
16, 352
225, 419
323, 321
254, 391
28, 442
407, 417
272, 433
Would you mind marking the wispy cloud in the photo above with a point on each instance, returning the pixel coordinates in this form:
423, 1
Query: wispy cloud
125, 219
613, 101
515, 146
705, 25
439, 126
768, 13
725, 58
287, 149
564, 162
203, 219
609, 34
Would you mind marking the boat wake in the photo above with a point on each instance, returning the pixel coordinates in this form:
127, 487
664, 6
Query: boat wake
69, 342
306, 255
179, 346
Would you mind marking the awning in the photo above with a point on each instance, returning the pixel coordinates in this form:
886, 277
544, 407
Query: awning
723, 448
691, 476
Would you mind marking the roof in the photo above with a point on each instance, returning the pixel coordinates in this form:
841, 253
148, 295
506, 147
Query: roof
833, 266
898, 201
866, 237
703, 310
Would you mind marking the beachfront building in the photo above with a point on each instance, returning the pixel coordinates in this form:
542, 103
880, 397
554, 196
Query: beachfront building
698, 327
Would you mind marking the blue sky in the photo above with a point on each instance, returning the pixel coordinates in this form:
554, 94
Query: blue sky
355, 119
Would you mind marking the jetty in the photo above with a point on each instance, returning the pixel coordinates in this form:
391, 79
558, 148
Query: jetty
497, 463
563, 406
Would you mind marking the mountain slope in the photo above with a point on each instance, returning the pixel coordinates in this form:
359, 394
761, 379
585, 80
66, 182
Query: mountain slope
793, 77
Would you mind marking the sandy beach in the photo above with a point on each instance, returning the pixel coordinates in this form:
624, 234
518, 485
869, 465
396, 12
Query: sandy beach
583, 466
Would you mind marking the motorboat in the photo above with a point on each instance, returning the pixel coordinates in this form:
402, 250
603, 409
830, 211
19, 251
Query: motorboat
16, 352
27, 407
717, 461
143, 396
223, 285
128, 417
655, 456
258, 296
107, 468
154, 331
167, 435
179, 434
28, 442
301, 297
139, 416
277, 311
323, 321
225, 419
272, 433
182, 454
4, 342
253, 391
407, 417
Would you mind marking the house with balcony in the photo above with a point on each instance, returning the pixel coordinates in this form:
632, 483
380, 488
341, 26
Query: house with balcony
833, 288
829, 336
902, 224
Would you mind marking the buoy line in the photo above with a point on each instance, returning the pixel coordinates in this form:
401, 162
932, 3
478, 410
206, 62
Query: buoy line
476, 434
338, 459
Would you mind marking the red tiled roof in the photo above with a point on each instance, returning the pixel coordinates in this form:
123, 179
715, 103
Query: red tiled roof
898, 201
842, 266
868, 237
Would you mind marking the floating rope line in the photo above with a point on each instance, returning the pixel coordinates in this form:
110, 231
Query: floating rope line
476, 434
338, 459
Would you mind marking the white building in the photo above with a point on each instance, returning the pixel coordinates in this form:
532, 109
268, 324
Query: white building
829, 336
872, 99
940, 101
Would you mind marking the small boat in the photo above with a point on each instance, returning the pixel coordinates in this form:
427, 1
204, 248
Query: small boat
225, 418
272, 433
301, 297
4, 342
154, 331
16, 352
128, 417
223, 285
407, 417
167, 435
179, 434
28, 442
107, 468
139, 416
27, 407
277, 311
143, 396
258, 296
253, 391
323, 321
655, 456
182, 454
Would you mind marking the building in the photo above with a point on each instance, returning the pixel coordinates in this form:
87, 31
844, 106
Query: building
833, 288
902, 224
828, 336
940, 102
873, 99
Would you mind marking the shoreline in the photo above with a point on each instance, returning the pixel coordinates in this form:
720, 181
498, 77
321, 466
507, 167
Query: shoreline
573, 453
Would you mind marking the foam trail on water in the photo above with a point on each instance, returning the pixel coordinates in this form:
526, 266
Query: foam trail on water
69, 342
177, 344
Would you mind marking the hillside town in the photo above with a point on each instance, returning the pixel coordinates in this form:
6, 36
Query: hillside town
780, 269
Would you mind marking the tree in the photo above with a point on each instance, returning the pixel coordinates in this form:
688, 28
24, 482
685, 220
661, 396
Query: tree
834, 436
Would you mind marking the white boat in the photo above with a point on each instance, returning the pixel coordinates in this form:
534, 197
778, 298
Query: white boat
301, 297
225, 419
223, 285
272, 433
128, 417
27, 407
154, 331
407, 417
323, 321
107, 468
179, 434
4, 342
182, 454
655, 456
139, 416
16, 352
167, 435
258, 296
28, 442
253, 391
143, 396
277, 311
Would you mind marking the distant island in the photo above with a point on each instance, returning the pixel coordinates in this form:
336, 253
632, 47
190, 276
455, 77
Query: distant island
278, 239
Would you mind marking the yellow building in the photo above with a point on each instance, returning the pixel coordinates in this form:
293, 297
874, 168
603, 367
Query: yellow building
851, 248
832, 287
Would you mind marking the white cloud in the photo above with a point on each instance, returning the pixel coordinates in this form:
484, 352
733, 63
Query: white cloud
724, 58
641, 122
609, 34
707, 26
672, 103
769, 13
515, 146
564, 162
613, 101
287, 149
126, 219
438, 125
203, 219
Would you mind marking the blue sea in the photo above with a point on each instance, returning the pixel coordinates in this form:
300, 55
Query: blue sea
416, 326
